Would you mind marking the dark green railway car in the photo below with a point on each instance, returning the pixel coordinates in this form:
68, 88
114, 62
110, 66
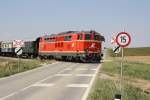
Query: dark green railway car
30, 49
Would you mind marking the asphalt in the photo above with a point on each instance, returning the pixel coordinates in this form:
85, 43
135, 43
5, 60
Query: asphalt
58, 81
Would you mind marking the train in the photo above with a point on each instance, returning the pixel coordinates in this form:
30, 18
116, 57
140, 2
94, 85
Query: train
84, 46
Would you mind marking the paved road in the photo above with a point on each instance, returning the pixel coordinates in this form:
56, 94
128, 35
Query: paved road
58, 81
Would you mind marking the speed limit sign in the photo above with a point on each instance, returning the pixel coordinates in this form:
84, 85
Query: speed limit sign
123, 39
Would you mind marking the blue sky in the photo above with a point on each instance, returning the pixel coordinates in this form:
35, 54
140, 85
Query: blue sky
28, 19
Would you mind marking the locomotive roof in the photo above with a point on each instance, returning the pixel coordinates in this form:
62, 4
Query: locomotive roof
76, 32
73, 32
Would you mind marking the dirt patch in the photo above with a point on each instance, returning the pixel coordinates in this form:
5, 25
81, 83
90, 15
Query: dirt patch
3, 64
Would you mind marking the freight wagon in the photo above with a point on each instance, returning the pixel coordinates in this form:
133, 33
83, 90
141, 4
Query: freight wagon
7, 49
30, 49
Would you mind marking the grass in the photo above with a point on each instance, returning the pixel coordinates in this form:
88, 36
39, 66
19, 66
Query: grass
141, 51
11, 67
130, 69
106, 90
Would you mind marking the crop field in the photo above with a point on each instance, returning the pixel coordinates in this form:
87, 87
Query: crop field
136, 77
9, 66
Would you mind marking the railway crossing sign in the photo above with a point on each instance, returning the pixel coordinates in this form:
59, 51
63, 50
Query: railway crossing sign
18, 43
18, 51
113, 39
123, 39
116, 49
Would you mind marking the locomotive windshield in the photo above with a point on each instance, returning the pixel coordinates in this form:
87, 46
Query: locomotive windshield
68, 38
96, 37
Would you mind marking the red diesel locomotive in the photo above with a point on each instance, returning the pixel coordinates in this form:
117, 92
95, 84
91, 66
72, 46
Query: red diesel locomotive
82, 46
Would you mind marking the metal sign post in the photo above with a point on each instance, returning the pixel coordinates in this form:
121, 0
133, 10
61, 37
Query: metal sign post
18, 51
123, 39
18, 63
121, 72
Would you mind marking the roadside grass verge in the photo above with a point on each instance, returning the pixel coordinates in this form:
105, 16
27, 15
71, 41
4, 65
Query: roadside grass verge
136, 83
130, 69
10, 67
106, 90
141, 51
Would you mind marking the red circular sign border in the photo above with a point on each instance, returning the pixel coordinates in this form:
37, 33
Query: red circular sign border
123, 46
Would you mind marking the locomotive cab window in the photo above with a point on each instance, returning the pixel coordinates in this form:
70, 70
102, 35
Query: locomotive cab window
80, 37
50, 39
96, 37
87, 37
46, 39
68, 38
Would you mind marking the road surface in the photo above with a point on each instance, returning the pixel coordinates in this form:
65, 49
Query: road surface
58, 81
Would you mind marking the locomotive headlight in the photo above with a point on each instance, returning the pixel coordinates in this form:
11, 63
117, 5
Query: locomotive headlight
83, 55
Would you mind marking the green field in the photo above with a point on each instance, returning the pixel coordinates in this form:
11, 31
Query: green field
10, 67
141, 51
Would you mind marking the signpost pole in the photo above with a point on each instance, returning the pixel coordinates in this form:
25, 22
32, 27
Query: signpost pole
123, 39
121, 80
18, 63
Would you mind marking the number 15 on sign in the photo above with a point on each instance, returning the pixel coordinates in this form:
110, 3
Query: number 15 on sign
123, 39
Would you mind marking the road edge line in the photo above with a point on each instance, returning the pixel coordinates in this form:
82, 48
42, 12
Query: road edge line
91, 83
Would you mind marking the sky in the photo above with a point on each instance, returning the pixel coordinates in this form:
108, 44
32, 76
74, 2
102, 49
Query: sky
29, 19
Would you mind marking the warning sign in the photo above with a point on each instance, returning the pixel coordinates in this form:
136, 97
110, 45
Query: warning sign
18, 43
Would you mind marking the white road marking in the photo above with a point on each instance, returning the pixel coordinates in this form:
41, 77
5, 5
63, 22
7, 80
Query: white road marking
26, 88
43, 85
68, 69
90, 85
63, 74
49, 85
44, 79
8, 96
87, 75
78, 85
3, 98
93, 69
82, 69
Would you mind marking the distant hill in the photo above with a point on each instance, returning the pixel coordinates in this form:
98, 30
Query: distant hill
140, 51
